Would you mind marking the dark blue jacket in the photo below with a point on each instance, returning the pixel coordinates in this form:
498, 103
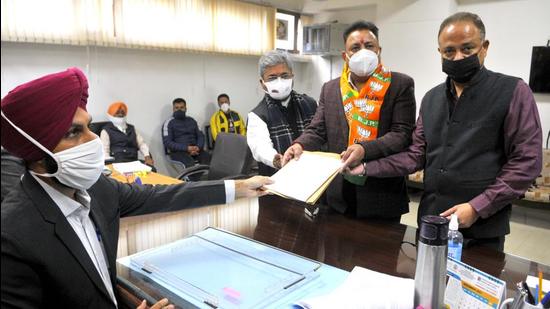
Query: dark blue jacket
178, 134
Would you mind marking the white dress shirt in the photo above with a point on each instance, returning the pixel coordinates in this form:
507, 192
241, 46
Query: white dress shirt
77, 214
259, 139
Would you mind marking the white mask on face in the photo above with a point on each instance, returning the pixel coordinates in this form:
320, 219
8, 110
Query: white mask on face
118, 121
78, 167
279, 89
224, 107
363, 63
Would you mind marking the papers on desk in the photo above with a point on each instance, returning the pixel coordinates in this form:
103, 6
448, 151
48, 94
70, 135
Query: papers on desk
366, 289
307, 178
131, 167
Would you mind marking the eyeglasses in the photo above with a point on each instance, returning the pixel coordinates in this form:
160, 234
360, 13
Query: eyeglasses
271, 78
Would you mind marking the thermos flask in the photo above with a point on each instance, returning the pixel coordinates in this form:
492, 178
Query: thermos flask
431, 263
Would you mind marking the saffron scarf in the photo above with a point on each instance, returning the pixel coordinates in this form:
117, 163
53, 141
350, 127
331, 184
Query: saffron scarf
362, 108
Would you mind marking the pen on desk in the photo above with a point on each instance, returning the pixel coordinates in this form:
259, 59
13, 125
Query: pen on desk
540, 286
536, 295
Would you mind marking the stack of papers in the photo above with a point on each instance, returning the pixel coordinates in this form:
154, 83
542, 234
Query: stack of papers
366, 289
307, 178
131, 167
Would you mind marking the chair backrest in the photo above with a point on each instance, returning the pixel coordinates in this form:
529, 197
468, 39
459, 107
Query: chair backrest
231, 157
209, 141
96, 127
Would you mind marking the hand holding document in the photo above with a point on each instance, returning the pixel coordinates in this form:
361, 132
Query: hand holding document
365, 288
307, 178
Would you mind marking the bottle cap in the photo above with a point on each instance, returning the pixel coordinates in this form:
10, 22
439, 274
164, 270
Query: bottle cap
434, 230
453, 225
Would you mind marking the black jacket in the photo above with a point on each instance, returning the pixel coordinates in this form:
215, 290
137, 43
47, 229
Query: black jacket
44, 264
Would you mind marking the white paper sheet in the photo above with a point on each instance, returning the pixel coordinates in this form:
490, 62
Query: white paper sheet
131, 167
365, 288
299, 179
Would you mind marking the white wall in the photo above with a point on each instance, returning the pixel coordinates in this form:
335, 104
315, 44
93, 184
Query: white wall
408, 36
146, 80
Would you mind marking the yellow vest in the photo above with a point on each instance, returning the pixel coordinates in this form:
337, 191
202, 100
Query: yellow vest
219, 123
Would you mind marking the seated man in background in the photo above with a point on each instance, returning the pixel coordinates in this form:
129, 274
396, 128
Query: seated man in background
60, 225
182, 139
120, 140
281, 116
225, 119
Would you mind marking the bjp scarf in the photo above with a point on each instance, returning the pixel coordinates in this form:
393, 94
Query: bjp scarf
362, 108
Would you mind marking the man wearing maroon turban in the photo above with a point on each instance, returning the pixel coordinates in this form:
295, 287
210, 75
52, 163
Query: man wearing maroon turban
60, 224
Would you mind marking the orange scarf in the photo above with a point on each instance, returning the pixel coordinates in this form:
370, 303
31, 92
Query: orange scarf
362, 108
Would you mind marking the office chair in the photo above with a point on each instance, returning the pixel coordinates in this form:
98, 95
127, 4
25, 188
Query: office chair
231, 159
209, 140
97, 127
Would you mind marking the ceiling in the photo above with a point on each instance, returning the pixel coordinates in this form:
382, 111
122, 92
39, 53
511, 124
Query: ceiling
314, 6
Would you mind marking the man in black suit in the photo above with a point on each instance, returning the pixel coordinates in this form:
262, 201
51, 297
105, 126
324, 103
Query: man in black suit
60, 225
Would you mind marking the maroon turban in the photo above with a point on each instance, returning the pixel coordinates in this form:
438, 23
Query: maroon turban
44, 108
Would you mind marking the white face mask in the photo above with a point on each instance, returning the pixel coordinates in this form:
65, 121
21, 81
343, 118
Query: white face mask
224, 107
279, 89
118, 121
363, 63
78, 167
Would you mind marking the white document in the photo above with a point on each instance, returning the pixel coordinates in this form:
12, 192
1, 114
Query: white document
131, 167
366, 289
300, 179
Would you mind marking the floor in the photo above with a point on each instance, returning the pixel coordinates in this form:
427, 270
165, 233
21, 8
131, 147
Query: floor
529, 236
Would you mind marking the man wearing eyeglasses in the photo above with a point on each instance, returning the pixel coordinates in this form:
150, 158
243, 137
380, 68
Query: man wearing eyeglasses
281, 116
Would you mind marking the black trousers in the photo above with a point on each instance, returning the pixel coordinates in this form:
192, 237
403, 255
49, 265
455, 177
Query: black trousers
188, 160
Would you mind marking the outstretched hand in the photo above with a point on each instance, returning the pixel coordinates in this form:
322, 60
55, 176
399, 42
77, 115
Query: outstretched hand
252, 187
293, 152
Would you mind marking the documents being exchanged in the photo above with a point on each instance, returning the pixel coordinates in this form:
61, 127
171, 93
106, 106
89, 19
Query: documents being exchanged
307, 178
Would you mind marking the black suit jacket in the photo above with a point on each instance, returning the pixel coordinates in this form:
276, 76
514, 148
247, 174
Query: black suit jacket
44, 264
379, 197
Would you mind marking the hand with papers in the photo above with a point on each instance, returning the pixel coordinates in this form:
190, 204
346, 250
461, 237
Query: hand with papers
365, 288
307, 178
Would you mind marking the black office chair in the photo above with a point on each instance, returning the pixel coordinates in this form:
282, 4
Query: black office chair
96, 127
208, 138
231, 159
12, 170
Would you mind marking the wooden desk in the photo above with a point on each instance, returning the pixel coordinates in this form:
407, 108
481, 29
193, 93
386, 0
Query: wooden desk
151, 178
339, 241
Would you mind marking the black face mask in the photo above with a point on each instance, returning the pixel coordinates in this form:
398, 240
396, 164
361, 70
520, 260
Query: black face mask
179, 115
462, 71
